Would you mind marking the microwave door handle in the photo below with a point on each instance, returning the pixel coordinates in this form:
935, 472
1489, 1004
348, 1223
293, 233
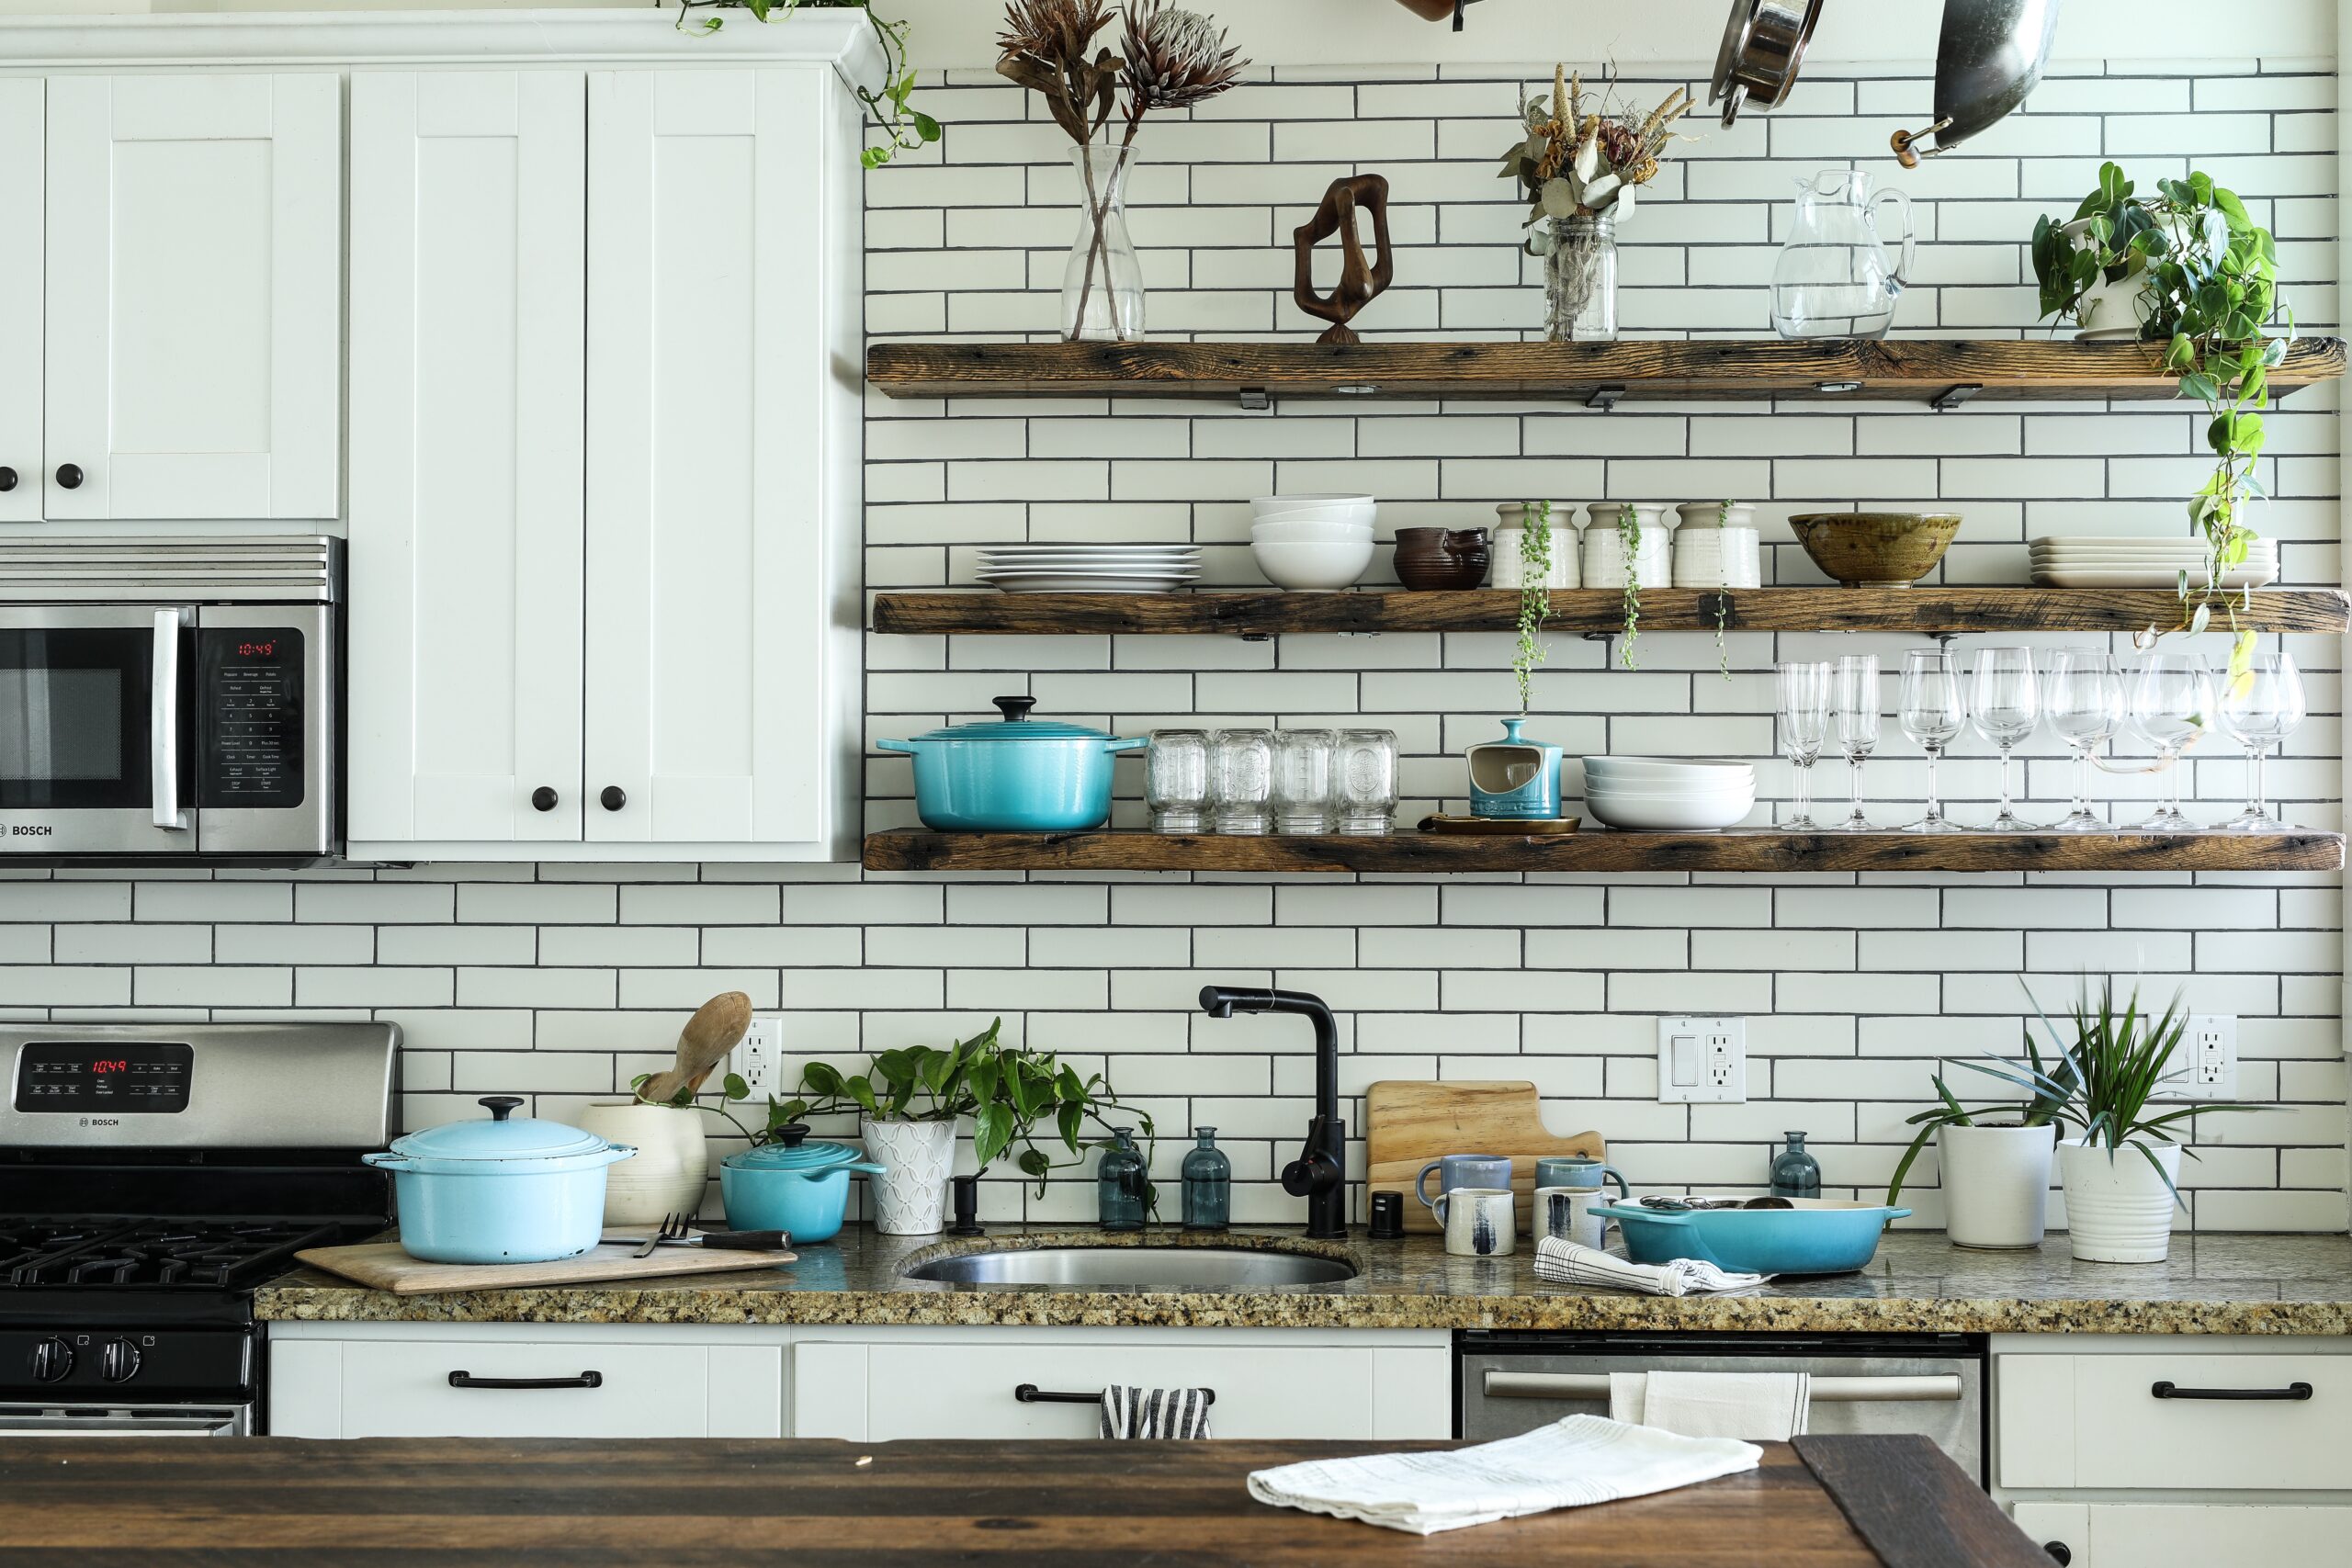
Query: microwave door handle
1945, 1387
164, 723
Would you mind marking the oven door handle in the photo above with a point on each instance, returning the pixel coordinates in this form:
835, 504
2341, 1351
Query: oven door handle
1933, 1388
164, 723
116, 1421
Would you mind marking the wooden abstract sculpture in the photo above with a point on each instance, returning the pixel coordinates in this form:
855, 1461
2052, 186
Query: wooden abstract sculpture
1359, 284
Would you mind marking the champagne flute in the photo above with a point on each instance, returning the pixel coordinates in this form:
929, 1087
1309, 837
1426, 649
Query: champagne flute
2086, 709
2258, 710
2005, 708
1855, 699
1804, 725
1931, 711
2172, 707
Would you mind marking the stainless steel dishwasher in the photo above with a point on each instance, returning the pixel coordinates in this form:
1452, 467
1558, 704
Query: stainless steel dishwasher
1933, 1385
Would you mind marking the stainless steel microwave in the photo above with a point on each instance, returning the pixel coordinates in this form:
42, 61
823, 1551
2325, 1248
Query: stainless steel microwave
162, 697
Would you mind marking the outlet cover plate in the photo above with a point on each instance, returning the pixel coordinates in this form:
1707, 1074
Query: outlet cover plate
1701, 1061
2206, 1064
758, 1058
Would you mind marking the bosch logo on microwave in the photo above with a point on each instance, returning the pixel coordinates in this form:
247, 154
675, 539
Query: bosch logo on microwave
30, 830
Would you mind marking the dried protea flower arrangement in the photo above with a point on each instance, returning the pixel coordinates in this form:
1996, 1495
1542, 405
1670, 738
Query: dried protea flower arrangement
1580, 163
1166, 60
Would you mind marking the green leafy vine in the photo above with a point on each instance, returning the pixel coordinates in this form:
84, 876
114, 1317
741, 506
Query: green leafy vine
1629, 540
907, 129
1534, 596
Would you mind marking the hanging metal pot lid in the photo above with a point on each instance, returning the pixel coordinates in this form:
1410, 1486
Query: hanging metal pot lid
1763, 46
504, 1139
1989, 59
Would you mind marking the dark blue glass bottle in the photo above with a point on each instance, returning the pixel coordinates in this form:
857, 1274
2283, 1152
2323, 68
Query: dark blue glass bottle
1796, 1174
1120, 1182
1208, 1185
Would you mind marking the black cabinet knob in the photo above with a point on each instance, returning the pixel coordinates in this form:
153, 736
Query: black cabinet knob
53, 1358
614, 797
2059, 1551
543, 800
69, 476
119, 1362
8, 480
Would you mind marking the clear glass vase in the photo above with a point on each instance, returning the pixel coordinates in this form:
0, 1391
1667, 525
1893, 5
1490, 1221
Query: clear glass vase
1103, 282
1580, 280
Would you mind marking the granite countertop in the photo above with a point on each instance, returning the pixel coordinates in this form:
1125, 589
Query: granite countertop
1919, 1283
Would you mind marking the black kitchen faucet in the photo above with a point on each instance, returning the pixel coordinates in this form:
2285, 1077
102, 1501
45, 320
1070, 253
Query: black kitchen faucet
1319, 1173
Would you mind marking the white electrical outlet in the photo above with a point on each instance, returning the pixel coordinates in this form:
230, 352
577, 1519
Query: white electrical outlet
758, 1057
1702, 1060
2205, 1067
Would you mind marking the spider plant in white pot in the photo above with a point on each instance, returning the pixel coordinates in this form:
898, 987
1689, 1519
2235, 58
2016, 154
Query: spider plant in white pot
1992, 1160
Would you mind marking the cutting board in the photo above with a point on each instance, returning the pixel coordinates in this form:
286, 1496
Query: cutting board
383, 1265
1409, 1122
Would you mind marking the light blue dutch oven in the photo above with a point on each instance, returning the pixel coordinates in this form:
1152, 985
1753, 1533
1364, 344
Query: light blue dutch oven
501, 1190
1817, 1235
1014, 775
791, 1185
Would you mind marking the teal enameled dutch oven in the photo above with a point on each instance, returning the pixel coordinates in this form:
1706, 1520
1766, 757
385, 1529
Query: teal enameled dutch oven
1815, 1235
791, 1185
502, 1190
1014, 775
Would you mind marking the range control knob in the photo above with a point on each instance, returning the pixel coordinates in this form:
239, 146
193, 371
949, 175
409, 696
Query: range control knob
53, 1358
119, 1362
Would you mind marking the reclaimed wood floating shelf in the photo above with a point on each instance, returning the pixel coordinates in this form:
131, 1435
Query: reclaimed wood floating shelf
1744, 850
1937, 371
1915, 611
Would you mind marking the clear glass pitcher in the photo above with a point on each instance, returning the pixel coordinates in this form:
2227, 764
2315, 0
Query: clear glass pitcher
1834, 277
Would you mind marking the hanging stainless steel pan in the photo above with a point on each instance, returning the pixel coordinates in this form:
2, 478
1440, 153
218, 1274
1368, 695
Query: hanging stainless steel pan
1763, 45
1990, 57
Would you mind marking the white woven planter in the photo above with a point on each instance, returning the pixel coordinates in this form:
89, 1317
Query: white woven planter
910, 1197
2117, 1210
1996, 1184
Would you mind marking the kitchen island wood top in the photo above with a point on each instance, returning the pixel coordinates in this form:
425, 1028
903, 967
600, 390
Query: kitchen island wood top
1857, 1502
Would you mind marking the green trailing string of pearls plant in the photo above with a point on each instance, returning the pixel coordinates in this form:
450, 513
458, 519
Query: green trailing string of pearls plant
1534, 597
1629, 542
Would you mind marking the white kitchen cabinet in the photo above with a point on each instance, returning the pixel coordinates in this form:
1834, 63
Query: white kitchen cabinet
469, 387
192, 287
2136, 1535
21, 100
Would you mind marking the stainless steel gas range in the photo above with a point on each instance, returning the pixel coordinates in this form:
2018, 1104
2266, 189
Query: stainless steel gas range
150, 1177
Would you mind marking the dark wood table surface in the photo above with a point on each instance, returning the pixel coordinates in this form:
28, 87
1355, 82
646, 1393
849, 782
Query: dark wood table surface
275, 1502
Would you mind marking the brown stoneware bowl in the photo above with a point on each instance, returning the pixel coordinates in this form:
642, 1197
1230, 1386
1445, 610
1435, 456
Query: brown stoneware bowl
1431, 559
1878, 550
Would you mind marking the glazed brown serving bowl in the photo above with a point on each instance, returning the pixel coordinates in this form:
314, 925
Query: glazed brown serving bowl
1878, 550
1433, 559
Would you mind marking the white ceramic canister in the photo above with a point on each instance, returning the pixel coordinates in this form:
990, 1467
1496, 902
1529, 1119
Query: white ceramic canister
917, 1157
1605, 553
671, 1169
1514, 519
1718, 546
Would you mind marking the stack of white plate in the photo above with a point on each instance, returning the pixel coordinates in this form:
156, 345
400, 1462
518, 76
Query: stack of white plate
2089, 561
1669, 793
1091, 568
1312, 543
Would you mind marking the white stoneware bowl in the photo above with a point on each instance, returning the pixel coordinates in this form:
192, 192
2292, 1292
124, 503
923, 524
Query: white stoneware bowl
1315, 568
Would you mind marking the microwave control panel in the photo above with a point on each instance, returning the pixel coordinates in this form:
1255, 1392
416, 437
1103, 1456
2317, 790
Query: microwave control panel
117, 1077
252, 691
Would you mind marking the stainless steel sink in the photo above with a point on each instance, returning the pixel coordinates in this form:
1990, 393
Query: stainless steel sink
1137, 1267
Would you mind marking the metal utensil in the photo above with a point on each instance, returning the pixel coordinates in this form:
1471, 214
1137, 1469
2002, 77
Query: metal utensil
672, 1228
1763, 45
1988, 59
715, 1241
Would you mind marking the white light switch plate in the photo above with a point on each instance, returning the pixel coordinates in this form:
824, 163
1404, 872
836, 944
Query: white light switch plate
2205, 1065
1701, 1061
758, 1058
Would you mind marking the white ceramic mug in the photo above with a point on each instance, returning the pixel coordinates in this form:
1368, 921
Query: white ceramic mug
1567, 1213
1478, 1220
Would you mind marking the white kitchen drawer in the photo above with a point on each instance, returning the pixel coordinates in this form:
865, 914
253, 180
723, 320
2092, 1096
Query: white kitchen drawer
2095, 1422
2220, 1535
393, 1390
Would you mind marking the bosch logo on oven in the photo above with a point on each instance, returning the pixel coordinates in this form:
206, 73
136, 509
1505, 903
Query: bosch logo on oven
30, 830
99, 1121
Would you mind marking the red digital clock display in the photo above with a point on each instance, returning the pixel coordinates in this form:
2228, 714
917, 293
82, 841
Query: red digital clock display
257, 650
116, 1067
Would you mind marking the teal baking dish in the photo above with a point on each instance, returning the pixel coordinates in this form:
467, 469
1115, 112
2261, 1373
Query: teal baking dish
1817, 1235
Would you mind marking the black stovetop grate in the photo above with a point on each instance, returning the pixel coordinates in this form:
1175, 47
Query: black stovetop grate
202, 1254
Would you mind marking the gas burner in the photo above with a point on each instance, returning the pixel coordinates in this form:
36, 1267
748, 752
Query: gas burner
207, 1254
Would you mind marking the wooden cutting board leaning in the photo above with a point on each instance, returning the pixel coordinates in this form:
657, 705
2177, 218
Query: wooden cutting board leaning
382, 1265
1409, 1123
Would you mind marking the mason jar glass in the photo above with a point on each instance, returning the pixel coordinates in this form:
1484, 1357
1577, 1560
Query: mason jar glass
1363, 781
1302, 798
1176, 781
1241, 781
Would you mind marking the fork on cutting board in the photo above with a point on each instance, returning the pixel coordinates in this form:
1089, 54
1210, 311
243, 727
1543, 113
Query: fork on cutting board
677, 1230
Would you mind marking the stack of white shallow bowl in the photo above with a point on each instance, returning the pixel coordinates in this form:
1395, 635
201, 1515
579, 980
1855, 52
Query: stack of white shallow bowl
1091, 568
2087, 561
1669, 793
1313, 543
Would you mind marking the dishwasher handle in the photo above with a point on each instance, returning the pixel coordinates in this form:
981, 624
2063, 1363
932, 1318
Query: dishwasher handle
1937, 1388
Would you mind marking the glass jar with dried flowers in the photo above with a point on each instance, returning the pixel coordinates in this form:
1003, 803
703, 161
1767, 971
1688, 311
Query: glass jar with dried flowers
1580, 167
1166, 60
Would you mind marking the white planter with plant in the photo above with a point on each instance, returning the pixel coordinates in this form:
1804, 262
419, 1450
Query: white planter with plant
917, 1157
1996, 1181
2119, 1200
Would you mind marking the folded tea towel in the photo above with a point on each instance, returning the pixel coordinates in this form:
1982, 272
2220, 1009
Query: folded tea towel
1758, 1408
1567, 1263
1575, 1461
1155, 1413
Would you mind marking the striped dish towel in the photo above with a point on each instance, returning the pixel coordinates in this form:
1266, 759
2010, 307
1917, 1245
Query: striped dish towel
1142, 1414
1566, 1263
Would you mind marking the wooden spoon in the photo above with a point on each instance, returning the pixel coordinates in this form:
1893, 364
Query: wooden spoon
716, 1028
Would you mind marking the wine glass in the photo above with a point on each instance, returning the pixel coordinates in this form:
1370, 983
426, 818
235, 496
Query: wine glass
2006, 706
2086, 706
1855, 700
2258, 710
1931, 711
2172, 707
1804, 725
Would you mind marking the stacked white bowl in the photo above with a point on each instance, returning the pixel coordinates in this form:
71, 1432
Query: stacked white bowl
1313, 543
1669, 793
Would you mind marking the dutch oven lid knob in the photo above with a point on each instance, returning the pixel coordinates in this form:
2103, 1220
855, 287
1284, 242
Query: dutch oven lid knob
1015, 709
792, 1135
501, 1106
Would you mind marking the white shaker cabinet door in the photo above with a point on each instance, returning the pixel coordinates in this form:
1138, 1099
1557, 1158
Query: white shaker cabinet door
21, 302
469, 231
195, 225
716, 274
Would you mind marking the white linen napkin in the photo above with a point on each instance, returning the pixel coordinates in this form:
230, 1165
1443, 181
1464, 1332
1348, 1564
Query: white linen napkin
1576, 1461
1759, 1407
1566, 1263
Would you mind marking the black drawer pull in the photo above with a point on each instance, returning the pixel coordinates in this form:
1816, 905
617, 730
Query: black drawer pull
2293, 1391
585, 1380
1030, 1393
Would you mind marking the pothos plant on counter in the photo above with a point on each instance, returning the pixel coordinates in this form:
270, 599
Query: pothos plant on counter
2209, 289
1012, 1093
906, 127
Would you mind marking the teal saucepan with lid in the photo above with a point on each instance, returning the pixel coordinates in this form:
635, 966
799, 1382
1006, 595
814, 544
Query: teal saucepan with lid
1016, 774
796, 1185
1811, 1235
